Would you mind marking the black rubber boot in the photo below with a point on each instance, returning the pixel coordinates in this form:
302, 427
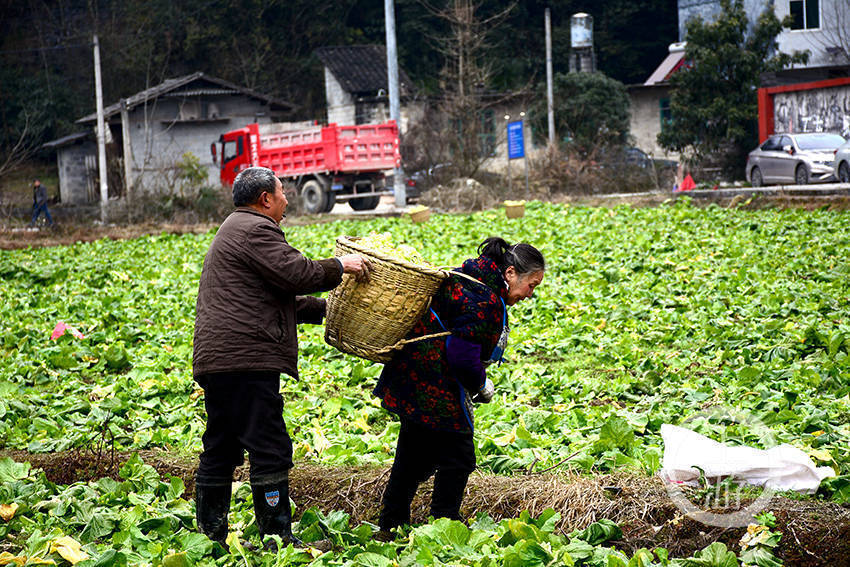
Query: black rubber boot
212, 503
449, 486
271, 506
398, 496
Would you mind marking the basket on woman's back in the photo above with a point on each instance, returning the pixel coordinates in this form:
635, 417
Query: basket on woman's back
370, 320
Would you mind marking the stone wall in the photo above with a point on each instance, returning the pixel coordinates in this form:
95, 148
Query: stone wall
159, 138
73, 172
340, 103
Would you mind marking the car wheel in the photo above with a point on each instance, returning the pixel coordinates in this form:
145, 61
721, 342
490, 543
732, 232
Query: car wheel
756, 178
844, 172
801, 175
313, 197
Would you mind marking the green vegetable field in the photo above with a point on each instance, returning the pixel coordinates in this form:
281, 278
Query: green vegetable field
646, 316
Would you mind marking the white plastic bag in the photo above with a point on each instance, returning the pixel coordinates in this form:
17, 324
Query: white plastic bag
780, 468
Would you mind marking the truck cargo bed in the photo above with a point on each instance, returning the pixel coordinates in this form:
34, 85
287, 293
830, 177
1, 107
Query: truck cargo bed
366, 147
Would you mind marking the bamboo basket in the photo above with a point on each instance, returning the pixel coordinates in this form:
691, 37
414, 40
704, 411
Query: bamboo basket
370, 320
515, 211
420, 216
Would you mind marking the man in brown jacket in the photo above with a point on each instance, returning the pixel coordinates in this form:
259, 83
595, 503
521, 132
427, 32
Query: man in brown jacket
250, 299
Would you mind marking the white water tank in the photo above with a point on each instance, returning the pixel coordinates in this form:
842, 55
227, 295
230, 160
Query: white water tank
581, 30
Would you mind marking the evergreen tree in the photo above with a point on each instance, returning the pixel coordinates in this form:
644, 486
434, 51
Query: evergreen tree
591, 111
714, 96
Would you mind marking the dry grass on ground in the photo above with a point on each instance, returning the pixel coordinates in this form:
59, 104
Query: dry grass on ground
815, 533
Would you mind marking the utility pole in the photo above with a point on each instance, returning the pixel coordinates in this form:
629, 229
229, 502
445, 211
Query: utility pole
549, 97
128, 158
395, 111
101, 138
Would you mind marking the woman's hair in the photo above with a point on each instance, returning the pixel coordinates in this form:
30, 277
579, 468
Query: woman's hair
525, 258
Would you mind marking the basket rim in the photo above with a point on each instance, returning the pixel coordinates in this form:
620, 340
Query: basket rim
351, 241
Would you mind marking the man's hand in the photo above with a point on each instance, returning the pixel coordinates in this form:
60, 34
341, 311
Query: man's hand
486, 393
356, 264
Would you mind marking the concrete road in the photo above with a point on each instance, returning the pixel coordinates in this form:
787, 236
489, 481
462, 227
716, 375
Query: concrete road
385, 208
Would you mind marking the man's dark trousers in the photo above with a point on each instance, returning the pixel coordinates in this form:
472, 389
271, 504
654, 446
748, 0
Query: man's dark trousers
244, 412
37, 210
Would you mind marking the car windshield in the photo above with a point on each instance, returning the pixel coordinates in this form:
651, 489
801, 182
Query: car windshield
819, 142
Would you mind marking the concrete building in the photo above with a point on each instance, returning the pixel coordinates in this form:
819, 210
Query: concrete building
788, 99
820, 26
163, 123
356, 88
650, 105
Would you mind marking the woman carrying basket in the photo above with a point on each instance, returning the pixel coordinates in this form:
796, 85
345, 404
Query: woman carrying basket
431, 384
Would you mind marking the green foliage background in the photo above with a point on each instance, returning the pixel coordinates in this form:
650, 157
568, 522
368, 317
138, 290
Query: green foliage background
591, 110
646, 316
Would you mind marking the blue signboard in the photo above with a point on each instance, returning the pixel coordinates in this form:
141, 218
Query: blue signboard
516, 146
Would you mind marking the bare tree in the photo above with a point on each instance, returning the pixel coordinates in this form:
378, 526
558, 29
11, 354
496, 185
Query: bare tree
835, 30
465, 78
23, 149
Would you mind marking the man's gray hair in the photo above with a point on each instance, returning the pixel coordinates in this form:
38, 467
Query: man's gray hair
251, 183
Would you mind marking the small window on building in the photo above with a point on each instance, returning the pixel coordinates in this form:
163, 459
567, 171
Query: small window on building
805, 14
665, 113
487, 134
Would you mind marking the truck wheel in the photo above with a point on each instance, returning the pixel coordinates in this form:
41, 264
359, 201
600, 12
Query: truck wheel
365, 203
314, 198
331, 202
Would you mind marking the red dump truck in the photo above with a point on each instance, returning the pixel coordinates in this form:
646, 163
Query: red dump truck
325, 163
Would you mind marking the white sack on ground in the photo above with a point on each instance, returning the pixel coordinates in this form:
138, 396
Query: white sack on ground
781, 468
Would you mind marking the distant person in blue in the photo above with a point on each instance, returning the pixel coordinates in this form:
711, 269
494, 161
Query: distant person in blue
39, 203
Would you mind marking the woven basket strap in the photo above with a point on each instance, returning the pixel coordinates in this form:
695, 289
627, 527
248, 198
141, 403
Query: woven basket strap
461, 274
400, 344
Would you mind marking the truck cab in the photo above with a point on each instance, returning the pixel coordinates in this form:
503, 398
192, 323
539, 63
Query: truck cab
234, 154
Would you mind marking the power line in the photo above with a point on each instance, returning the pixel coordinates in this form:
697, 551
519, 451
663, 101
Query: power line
39, 49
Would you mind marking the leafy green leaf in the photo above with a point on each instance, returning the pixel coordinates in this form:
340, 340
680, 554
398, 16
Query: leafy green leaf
616, 433
526, 554
370, 559
715, 555
99, 526
11, 471
194, 544
599, 532
116, 357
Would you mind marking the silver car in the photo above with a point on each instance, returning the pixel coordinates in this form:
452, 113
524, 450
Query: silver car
842, 164
793, 158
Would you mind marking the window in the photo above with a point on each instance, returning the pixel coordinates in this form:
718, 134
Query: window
231, 150
805, 13
771, 144
665, 113
486, 134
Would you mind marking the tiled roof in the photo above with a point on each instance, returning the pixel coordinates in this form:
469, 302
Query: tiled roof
66, 140
196, 82
361, 69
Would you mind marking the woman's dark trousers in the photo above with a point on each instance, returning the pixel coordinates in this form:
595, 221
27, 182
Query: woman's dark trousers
420, 453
